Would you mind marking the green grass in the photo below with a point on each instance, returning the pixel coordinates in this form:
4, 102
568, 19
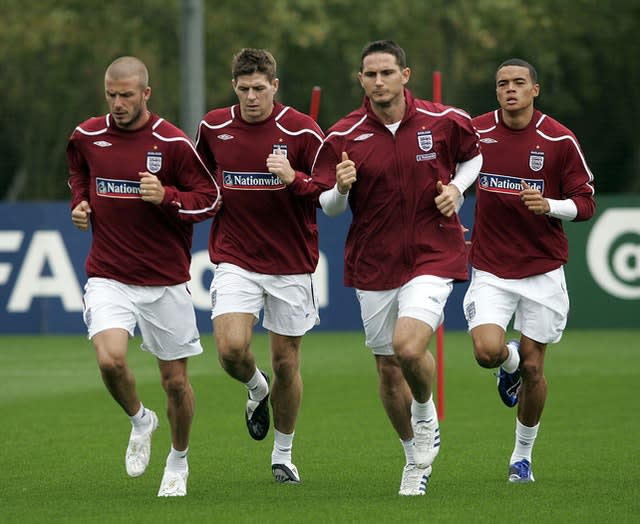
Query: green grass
63, 440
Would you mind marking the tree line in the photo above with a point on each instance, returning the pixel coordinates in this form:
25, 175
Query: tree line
54, 53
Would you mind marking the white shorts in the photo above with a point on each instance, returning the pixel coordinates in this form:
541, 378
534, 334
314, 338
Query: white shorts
422, 298
289, 301
164, 314
540, 304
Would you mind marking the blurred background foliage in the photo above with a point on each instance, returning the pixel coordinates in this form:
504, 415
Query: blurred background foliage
54, 53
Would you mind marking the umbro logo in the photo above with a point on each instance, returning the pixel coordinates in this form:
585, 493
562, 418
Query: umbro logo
225, 136
362, 137
103, 143
489, 140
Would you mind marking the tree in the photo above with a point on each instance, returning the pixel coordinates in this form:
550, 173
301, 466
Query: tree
54, 53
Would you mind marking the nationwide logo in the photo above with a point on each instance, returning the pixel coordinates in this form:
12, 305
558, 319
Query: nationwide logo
251, 181
102, 143
613, 252
508, 184
106, 187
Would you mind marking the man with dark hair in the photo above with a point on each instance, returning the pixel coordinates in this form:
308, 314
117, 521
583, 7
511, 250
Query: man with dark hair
534, 176
402, 165
264, 244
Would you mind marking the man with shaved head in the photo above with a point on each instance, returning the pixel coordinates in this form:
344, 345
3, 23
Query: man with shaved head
129, 68
138, 183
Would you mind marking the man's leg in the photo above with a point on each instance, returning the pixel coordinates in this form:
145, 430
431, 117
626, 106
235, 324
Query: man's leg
395, 395
111, 346
491, 351
233, 334
286, 397
111, 354
180, 409
396, 399
532, 397
410, 340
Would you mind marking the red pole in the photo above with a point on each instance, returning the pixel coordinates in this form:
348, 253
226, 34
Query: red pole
315, 102
437, 97
437, 87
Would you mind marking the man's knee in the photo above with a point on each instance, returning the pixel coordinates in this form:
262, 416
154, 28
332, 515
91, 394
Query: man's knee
488, 354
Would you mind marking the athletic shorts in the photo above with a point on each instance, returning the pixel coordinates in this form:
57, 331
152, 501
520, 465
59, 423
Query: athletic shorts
422, 298
164, 315
289, 302
540, 304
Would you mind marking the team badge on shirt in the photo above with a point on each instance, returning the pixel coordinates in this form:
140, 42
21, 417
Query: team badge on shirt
282, 148
154, 161
425, 140
536, 160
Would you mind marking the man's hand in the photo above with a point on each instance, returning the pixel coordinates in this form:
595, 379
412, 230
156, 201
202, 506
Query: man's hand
533, 199
151, 189
448, 196
80, 215
278, 164
345, 174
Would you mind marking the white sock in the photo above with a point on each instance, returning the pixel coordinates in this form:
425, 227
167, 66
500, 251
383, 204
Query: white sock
140, 421
423, 410
177, 460
257, 386
408, 450
510, 365
525, 438
282, 444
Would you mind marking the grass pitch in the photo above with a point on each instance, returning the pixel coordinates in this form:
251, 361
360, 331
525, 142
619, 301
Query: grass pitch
63, 440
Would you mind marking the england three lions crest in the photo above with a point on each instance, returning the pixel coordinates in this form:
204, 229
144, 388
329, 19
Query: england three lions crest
536, 160
425, 140
279, 148
154, 161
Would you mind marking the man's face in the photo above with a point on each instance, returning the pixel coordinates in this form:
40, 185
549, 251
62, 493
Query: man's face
514, 88
382, 78
127, 100
255, 93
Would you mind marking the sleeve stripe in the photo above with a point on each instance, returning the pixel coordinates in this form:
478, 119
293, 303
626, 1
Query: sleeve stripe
575, 144
190, 144
93, 133
211, 126
350, 130
460, 112
295, 133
